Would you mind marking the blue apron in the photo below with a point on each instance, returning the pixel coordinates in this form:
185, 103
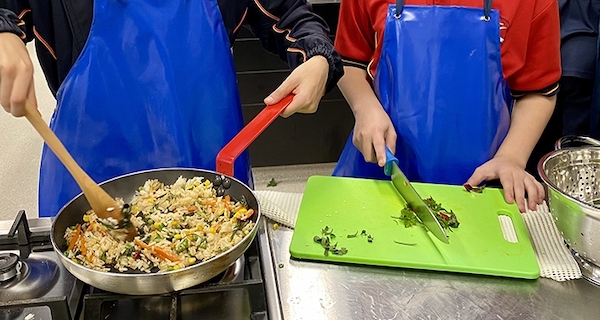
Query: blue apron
440, 80
595, 108
154, 87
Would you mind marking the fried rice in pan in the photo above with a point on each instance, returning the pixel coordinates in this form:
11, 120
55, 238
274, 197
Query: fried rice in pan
178, 225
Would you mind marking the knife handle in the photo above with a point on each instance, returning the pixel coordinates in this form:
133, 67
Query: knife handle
389, 159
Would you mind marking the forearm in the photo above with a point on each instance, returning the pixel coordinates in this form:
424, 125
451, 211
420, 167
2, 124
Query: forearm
358, 92
290, 29
307, 35
529, 117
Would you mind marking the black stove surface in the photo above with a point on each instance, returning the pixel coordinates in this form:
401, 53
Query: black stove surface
43, 289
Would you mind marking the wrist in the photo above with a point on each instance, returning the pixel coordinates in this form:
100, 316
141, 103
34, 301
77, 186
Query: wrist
513, 158
335, 71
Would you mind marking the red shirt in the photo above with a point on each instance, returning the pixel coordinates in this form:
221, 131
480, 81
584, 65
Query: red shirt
529, 30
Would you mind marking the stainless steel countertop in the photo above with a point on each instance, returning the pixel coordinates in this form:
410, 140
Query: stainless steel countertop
314, 290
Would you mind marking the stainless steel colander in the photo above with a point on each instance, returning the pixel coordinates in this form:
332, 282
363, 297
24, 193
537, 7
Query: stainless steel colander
575, 171
572, 175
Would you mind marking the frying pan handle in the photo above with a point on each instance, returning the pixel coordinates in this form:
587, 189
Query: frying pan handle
226, 157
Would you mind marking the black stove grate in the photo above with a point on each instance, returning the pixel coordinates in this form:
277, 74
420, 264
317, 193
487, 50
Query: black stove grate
243, 300
72, 299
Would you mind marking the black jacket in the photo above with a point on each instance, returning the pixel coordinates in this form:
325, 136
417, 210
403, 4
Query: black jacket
61, 28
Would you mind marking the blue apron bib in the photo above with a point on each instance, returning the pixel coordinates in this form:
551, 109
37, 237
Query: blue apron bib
595, 108
153, 87
440, 80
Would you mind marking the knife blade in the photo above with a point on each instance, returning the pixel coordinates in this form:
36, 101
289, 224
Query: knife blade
412, 198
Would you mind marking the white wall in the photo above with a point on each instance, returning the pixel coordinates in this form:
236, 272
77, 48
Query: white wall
20, 151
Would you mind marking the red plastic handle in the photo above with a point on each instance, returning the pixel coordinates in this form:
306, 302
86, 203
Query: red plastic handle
248, 134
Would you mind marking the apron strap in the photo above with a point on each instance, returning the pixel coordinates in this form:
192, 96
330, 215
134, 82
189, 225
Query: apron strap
487, 8
399, 8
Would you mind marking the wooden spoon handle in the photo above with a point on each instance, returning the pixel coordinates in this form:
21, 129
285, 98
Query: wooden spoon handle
96, 196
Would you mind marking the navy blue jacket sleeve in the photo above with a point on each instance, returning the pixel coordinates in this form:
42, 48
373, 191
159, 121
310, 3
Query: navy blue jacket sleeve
290, 29
15, 18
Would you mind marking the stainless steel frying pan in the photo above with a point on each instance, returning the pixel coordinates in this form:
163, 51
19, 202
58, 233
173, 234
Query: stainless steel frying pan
125, 186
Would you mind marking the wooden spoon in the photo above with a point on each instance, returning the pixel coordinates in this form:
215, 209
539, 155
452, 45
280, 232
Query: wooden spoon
105, 206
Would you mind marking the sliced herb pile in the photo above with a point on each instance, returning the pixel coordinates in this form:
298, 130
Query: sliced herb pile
446, 218
326, 241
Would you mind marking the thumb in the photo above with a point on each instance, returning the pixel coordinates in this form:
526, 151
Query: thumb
281, 92
475, 179
31, 98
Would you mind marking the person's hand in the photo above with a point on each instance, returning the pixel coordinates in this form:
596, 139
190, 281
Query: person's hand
373, 131
307, 83
515, 182
16, 75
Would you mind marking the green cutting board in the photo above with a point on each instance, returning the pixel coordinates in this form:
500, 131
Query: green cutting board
350, 205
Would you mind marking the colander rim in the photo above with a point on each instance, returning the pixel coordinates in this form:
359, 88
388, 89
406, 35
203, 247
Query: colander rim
546, 180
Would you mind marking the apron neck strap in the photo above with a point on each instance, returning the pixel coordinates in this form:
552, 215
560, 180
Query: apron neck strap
487, 8
399, 8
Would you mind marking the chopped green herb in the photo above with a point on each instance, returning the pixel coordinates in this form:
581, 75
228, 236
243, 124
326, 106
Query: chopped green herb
326, 231
352, 235
325, 242
272, 183
280, 265
446, 218
405, 243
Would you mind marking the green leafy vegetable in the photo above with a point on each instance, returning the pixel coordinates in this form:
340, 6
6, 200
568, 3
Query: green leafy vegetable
325, 241
272, 183
405, 243
446, 218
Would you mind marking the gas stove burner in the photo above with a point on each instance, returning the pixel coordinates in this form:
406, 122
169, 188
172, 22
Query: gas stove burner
9, 263
35, 276
589, 270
